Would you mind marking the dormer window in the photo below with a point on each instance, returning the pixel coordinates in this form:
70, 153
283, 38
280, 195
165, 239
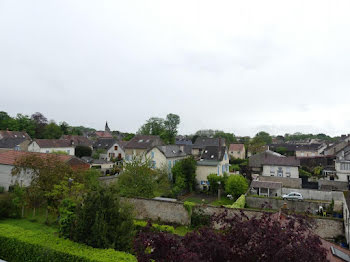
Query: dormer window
141, 140
206, 151
174, 151
212, 156
147, 140
15, 135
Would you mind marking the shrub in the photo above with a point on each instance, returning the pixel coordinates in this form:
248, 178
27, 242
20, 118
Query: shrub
102, 221
214, 180
236, 185
7, 207
33, 245
2, 189
240, 203
199, 219
81, 151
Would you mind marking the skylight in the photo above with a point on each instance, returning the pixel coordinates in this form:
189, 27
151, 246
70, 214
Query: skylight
141, 140
212, 156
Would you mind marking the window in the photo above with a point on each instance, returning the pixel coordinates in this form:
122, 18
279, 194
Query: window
288, 173
47, 151
280, 172
272, 171
225, 156
152, 154
223, 169
68, 151
115, 147
345, 166
169, 165
218, 170
153, 164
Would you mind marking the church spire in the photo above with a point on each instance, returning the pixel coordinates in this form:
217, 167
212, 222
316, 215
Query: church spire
107, 128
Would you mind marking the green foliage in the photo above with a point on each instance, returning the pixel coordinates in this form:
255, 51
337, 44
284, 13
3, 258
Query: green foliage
52, 131
199, 219
59, 152
184, 175
2, 189
96, 154
188, 206
229, 137
18, 243
67, 217
303, 172
265, 137
7, 207
103, 221
214, 180
128, 136
166, 129
299, 136
81, 151
236, 185
240, 203
139, 180
160, 228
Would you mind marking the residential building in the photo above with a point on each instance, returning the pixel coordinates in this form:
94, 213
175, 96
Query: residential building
8, 159
333, 148
237, 151
342, 165
202, 142
311, 150
165, 156
266, 188
213, 160
78, 140
104, 134
270, 163
51, 146
139, 146
112, 148
14, 140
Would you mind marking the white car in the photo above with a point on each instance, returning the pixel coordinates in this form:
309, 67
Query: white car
293, 196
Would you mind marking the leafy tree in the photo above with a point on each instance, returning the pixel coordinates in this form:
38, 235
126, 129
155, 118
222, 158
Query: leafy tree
81, 151
229, 137
236, 185
256, 145
214, 180
52, 131
24, 123
264, 137
239, 238
64, 128
128, 136
4, 120
170, 125
138, 180
40, 122
19, 198
184, 175
102, 221
154, 126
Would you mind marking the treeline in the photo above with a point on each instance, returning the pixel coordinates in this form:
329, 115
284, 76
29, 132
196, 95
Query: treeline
37, 126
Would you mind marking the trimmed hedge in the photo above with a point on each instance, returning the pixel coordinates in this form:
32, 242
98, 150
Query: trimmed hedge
163, 228
19, 244
240, 203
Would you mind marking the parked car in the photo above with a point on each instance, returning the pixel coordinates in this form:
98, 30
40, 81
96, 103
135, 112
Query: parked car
293, 196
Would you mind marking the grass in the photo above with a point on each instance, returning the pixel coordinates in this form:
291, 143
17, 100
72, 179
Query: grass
182, 230
196, 200
223, 201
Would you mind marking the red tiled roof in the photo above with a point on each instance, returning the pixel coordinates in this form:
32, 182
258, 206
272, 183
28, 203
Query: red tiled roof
236, 147
103, 134
14, 134
9, 158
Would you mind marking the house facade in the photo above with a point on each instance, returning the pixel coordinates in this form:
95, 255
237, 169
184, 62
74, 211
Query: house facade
111, 147
165, 156
51, 146
139, 145
237, 151
8, 159
202, 142
342, 165
213, 160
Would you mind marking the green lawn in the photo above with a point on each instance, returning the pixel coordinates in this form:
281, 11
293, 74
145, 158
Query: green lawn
223, 201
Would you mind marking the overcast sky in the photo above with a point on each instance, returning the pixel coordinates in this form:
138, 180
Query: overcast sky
238, 66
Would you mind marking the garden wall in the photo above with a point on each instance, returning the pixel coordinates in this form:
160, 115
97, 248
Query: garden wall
276, 204
174, 212
286, 182
316, 194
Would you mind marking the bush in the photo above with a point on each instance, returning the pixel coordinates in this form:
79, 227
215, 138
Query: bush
199, 219
214, 180
240, 203
81, 151
18, 243
102, 221
7, 208
139, 224
236, 185
2, 189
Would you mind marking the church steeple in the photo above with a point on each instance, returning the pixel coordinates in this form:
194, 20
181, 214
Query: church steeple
107, 128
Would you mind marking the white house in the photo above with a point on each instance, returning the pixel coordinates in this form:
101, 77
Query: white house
8, 159
213, 160
165, 156
112, 147
51, 146
342, 165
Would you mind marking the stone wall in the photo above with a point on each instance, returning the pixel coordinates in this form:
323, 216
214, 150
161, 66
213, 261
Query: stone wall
286, 182
175, 212
316, 194
333, 185
276, 204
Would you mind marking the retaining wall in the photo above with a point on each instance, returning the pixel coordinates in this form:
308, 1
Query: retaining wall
316, 194
175, 212
286, 182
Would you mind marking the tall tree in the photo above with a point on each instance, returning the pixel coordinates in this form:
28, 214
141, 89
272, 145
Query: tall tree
52, 131
40, 123
170, 125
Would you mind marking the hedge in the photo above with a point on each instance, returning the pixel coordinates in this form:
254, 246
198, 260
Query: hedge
19, 244
240, 203
163, 228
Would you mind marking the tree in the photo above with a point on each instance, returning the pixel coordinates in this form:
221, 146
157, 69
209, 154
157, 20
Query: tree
139, 180
229, 137
239, 238
40, 123
64, 128
184, 175
44, 173
256, 145
264, 137
236, 185
102, 221
170, 125
52, 131
214, 180
81, 151
166, 129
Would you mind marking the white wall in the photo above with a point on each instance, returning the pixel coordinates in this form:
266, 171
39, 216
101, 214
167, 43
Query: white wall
316, 194
6, 178
34, 147
115, 152
294, 171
